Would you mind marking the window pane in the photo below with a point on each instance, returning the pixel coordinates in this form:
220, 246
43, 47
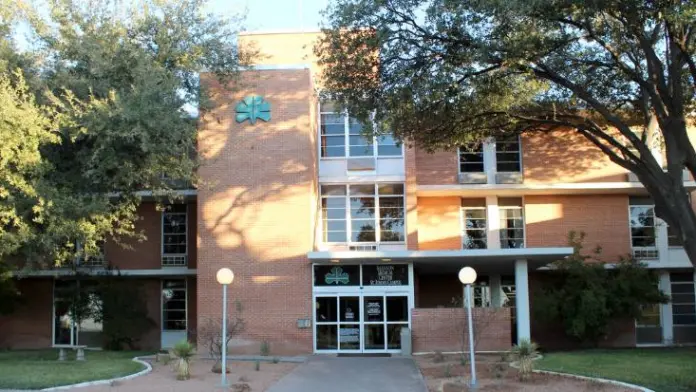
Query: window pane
338, 151
335, 225
475, 214
471, 158
334, 190
327, 339
684, 319
363, 235
508, 167
361, 151
397, 309
391, 189
334, 213
374, 308
360, 190
374, 336
388, 151
350, 336
394, 336
326, 310
681, 277
333, 202
335, 236
363, 207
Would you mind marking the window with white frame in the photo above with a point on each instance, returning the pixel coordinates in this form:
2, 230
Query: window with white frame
683, 298
471, 158
511, 222
474, 224
507, 154
363, 213
342, 136
174, 305
174, 235
673, 238
642, 225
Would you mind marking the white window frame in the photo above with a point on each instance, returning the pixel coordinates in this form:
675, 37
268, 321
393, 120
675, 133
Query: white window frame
519, 154
483, 160
524, 223
186, 300
377, 219
174, 259
462, 222
643, 252
691, 283
346, 142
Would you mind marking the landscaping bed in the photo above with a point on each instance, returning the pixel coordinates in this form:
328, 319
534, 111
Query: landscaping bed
446, 373
163, 377
36, 369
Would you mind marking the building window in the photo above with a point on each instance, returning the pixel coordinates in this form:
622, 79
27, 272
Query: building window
174, 234
363, 213
507, 154
642, 225
511, 222
482, 293
683, 298
342, 135
471, 158
649, 316
333, 133
174, 305
474, 223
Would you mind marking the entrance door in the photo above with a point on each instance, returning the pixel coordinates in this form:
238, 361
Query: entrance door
368, 322
174, 312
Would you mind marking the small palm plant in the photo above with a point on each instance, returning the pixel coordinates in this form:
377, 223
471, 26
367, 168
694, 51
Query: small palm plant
183, 352
525, 353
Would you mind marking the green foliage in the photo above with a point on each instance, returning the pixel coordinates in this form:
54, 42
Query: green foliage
9, 295
525, 353
442, 73
184, 349
105, 112
585, 295
265, 348
123, 312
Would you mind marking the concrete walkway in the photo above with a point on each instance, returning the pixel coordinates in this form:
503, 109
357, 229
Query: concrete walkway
328, 373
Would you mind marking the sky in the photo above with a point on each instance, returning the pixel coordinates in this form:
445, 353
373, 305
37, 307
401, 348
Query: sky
264, 15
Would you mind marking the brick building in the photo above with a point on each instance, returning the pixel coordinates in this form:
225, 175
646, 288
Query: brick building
338, 242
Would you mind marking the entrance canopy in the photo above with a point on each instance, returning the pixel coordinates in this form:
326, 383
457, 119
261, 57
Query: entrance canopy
492, 260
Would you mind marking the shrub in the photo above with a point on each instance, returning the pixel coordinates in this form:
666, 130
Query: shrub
585, 294
183, 351
122, 310
211, 335
265, 348
524, 354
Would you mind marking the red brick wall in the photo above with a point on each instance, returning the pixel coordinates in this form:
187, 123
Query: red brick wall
442, 329
604, 218
255, 216
438, 290
565, 156
411, 199
437, 168
439, 226
31, 325
148, 253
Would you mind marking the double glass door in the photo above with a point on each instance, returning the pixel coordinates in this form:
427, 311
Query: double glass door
360, 323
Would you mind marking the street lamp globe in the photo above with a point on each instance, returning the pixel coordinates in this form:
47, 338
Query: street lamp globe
467, 275
225, 276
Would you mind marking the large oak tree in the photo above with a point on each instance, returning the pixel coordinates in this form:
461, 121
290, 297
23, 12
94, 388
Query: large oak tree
96, 104
441, 73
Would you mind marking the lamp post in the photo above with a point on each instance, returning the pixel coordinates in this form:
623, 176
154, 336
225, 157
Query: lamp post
467, 276
224, 276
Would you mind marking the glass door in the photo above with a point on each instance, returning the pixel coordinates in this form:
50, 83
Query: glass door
338, 323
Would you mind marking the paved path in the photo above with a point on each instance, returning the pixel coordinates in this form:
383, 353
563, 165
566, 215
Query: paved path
326, 373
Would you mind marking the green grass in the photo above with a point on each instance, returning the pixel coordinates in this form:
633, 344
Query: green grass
34, 369
661, 369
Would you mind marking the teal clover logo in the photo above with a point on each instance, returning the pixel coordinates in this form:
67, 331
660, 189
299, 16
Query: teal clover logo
253, 107
336, 276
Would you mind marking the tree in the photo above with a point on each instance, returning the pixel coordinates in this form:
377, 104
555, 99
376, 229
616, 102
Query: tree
120, 306
585, 296
105, 112
442, 73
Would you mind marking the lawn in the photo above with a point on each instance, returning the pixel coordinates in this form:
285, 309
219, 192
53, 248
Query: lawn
664, 370
34, 369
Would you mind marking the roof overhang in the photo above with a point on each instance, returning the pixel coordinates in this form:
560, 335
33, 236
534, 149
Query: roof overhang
579, 188
445, 260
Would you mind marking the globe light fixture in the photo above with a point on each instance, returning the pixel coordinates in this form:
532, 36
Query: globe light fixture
467, 276
224, 276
